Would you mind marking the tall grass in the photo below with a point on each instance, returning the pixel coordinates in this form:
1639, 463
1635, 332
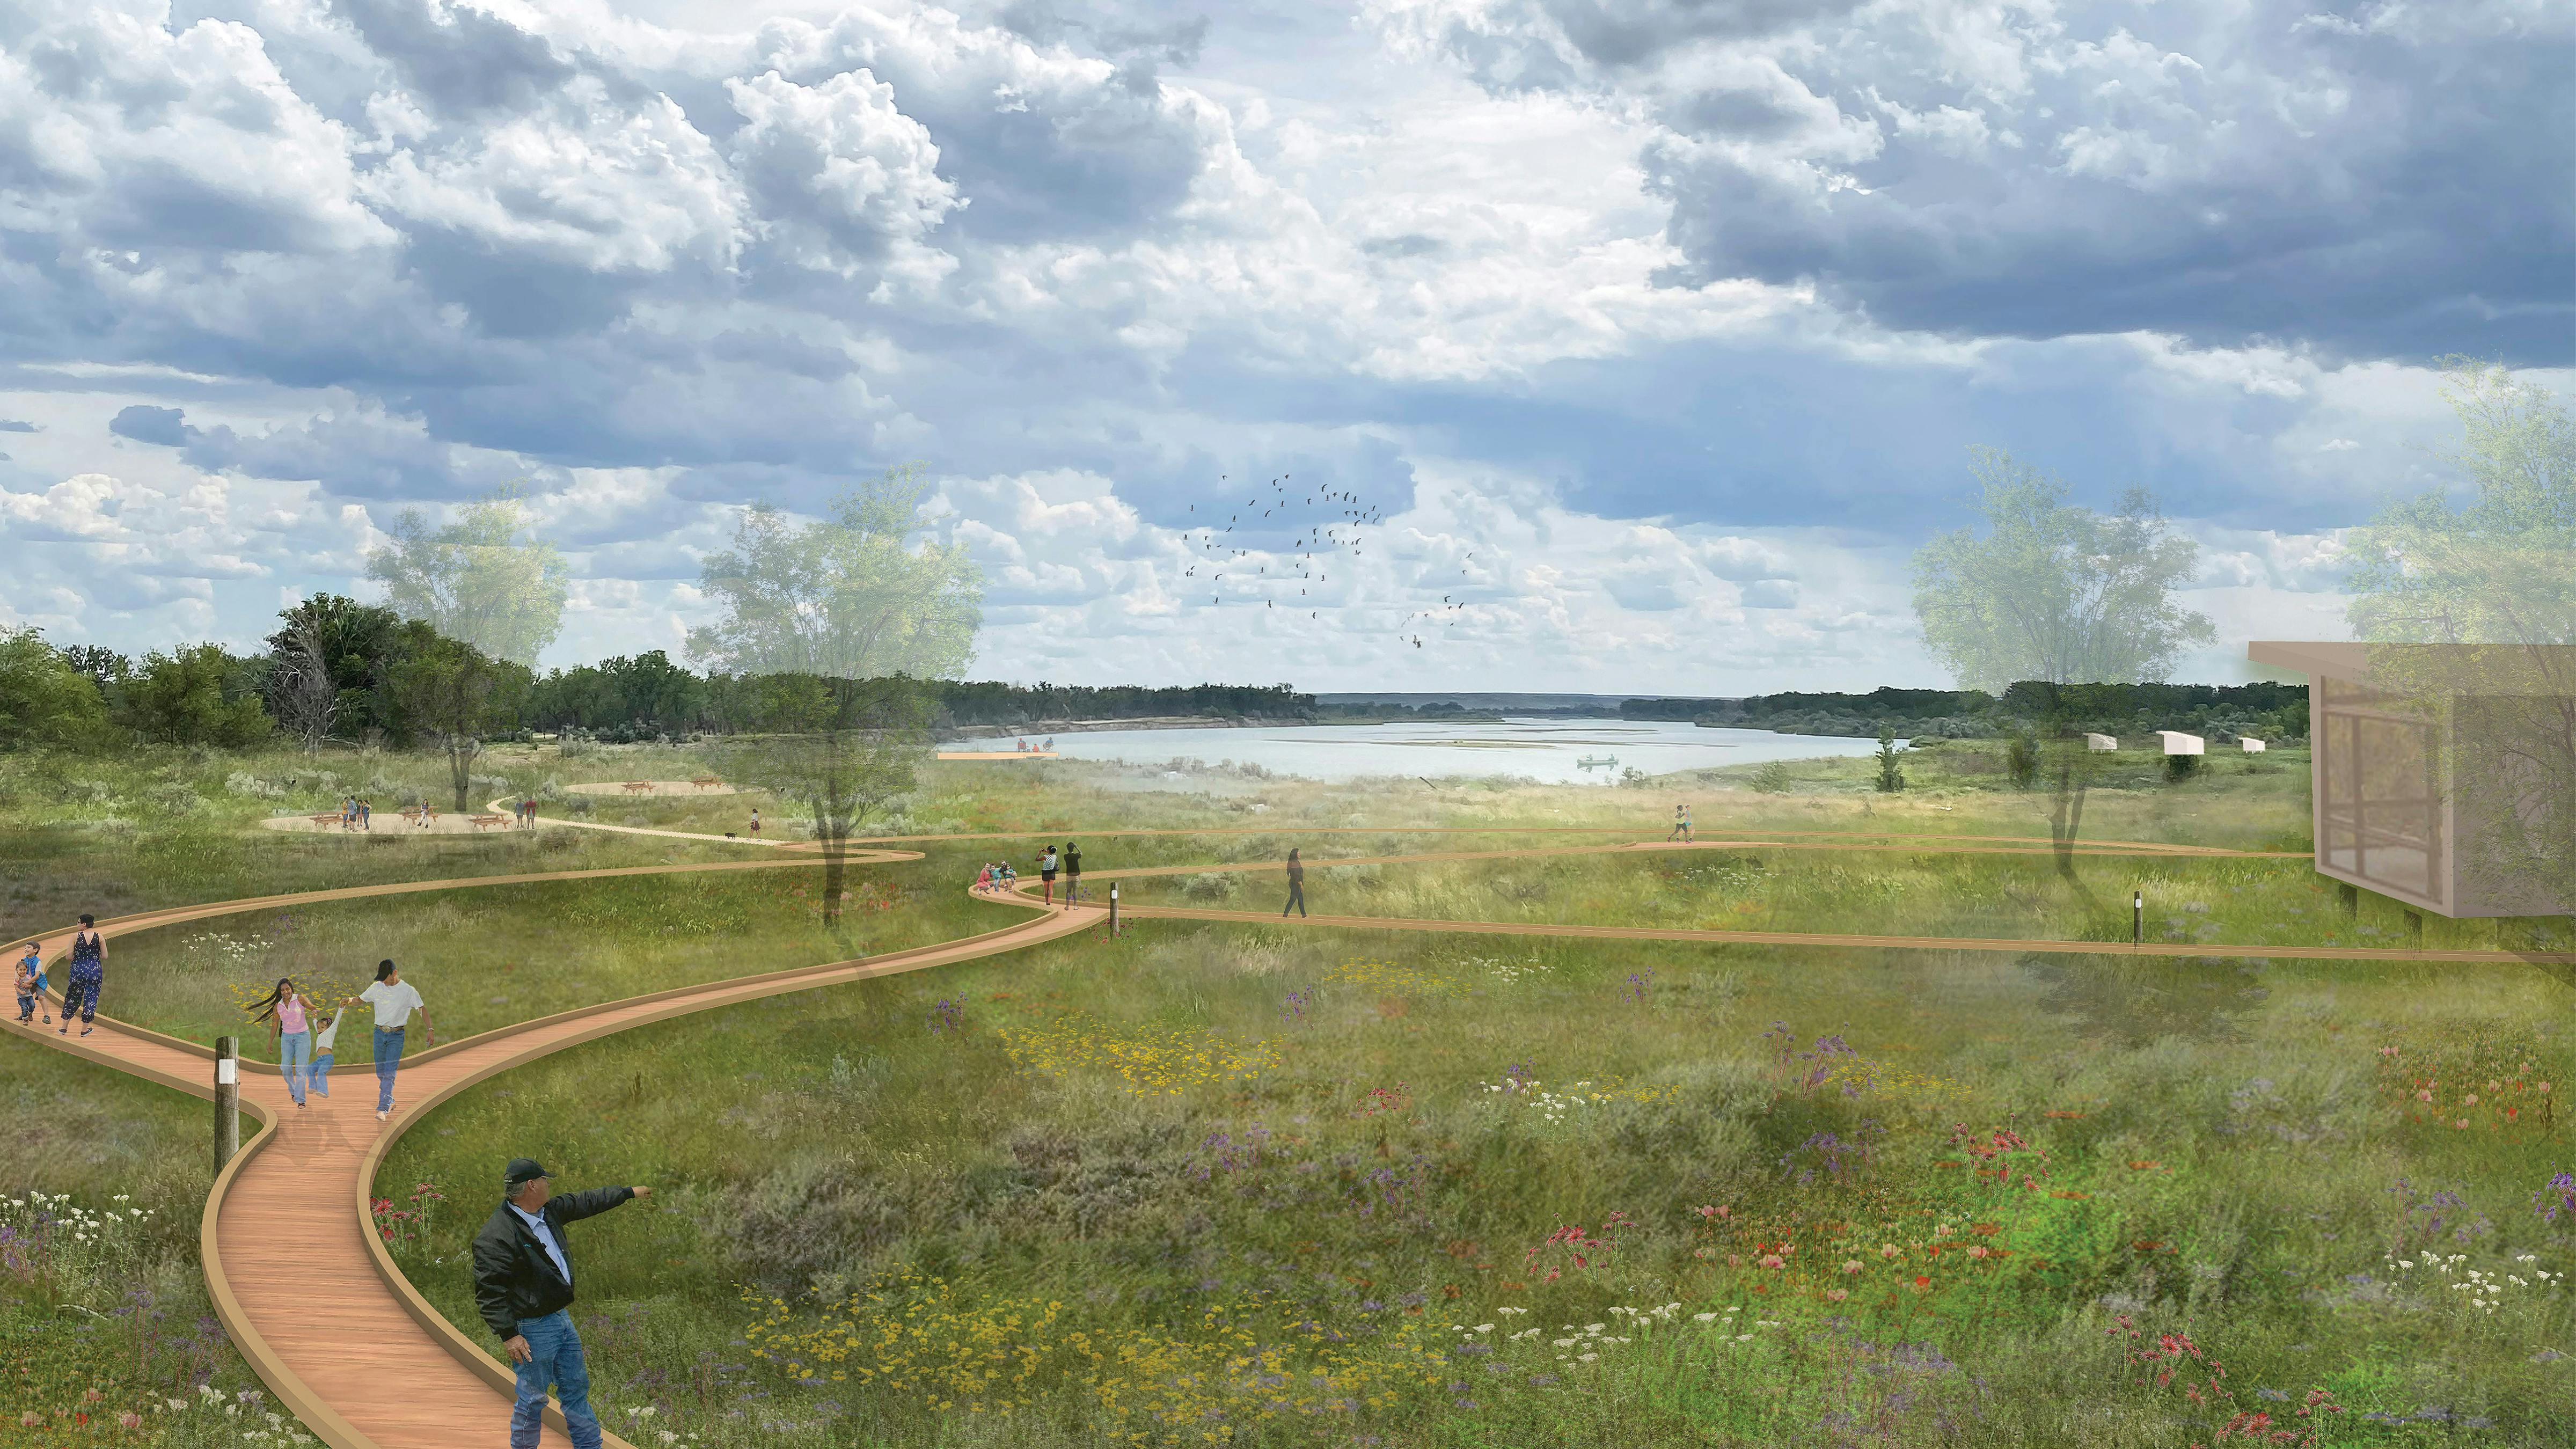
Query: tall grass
1348, 1142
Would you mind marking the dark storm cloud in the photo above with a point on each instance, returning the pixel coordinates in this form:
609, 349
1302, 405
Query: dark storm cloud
2387, 183
362, 457
457, 58
167, 427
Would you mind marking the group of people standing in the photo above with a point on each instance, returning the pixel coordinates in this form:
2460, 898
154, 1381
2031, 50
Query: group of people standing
1067, 863
305, 1056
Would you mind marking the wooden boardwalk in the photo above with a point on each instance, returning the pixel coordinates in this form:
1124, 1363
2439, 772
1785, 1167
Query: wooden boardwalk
344, 1342
291, 1257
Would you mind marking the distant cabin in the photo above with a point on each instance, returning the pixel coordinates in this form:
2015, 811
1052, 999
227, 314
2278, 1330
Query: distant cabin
2178, 743
2101, 744
2252, 746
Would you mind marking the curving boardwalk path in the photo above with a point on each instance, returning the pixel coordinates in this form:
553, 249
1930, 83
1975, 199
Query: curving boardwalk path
313, 1300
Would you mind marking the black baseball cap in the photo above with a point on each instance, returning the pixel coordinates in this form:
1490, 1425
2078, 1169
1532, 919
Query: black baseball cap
521, 1172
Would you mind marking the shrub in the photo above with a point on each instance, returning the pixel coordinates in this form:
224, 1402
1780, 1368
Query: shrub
1772, 778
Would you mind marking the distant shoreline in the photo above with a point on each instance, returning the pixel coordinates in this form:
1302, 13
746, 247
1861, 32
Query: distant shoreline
1042, 728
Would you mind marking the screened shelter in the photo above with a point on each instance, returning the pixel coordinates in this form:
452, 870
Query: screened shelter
2439, 771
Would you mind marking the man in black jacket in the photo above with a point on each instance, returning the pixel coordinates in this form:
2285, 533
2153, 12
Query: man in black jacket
523, 1284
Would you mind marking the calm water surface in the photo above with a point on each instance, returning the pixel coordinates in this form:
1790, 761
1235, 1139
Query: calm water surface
1550, 751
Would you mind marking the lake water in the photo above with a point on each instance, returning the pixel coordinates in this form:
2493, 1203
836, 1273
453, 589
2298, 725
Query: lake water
1550, 751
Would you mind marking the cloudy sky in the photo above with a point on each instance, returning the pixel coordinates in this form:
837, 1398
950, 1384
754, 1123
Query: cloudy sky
1656, 331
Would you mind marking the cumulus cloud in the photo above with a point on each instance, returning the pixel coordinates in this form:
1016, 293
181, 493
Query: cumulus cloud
1657, 330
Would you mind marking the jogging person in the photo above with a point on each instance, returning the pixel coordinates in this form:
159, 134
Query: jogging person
1296, 885
1681, 824
523, 1283
88, 973
1072, 872
394, 1000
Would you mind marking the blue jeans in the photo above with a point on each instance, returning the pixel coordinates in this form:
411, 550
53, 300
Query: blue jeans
555, 1356
321, 1074
388, 1058
293, 1049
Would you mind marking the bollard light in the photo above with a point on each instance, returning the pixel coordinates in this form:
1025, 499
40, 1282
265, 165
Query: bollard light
2137, 918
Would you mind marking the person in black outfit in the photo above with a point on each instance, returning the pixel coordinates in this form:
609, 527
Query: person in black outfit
523, 1285
1296, 885
1072, 872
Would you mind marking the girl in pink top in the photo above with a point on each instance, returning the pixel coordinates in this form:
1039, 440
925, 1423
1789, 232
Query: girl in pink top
285, 1012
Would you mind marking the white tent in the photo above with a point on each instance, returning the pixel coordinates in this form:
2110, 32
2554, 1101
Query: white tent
2101, 744
2252, 746
2178, 743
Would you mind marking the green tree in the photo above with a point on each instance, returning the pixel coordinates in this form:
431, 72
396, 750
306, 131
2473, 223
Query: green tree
457, 696
1891, 772
830, 630
358, 646
198, 695
480, 580
46, 701
2055, 591
2495, 579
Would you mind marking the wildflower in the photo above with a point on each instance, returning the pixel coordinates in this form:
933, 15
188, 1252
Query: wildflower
1837, 1294
1889, 1250
1921, 1282
1704, 1318
1851, 1265
1773, 1260
2470, 1100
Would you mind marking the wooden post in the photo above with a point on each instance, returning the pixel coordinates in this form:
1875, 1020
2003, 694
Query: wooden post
1113, 910
227, 1102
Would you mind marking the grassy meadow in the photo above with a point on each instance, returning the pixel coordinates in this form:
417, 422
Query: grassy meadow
1263, 1184
103, 1312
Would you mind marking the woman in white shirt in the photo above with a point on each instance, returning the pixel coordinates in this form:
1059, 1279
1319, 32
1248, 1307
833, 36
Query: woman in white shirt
394, 1000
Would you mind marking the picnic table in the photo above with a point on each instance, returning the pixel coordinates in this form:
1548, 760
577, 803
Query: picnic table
329, 817
483, 821
639, 787
705, 782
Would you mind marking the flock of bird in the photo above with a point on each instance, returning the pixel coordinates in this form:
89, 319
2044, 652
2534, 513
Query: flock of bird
1316, 541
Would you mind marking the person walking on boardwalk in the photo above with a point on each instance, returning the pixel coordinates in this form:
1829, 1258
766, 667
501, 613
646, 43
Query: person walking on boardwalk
1296, 886
1046, 873
284, 1011
29, 968
319, 1078
394, 1000
89, 972
1072, 873
1681, 824
523, 1284
34, 965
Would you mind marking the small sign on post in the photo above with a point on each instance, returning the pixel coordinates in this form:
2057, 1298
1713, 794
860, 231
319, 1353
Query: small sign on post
227, 1102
